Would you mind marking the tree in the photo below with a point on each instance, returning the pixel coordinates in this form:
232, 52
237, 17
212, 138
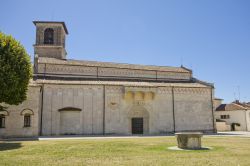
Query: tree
15, 71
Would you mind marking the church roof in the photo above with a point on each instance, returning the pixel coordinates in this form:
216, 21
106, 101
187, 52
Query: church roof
246, 105
54, 22
93, 72
122, 83
113, 65
232, 107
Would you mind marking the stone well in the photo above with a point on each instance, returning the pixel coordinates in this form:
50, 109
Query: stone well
189, 140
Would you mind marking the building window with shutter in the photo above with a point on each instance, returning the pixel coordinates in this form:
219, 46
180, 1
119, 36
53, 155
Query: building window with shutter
225, 117
27, 120
2, 121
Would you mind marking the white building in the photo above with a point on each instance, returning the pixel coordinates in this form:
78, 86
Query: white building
233, 116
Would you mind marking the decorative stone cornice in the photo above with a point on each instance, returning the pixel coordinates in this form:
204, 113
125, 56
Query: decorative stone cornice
192, 91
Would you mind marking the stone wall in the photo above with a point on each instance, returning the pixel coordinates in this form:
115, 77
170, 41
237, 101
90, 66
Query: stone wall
14, 121
55, 50
52, 52
109, 109
59, 34
223, 126
162, 113
217, 103
89, 99
193, 109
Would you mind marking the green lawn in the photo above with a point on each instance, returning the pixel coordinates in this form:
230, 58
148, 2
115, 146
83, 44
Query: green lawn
132, 151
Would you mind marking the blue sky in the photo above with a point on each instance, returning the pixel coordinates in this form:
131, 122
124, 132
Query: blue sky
212, 37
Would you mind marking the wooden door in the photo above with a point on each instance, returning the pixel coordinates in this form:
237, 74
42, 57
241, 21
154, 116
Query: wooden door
137, 125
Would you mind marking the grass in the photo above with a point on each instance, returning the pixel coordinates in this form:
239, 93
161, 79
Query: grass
132, 151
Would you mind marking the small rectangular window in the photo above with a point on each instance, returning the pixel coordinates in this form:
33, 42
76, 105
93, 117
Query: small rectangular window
27, 120
2, 121
225, 117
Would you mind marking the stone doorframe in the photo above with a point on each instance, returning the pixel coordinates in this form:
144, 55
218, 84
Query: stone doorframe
138, 112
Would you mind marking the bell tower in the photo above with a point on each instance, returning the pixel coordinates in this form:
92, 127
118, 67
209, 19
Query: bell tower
50, 39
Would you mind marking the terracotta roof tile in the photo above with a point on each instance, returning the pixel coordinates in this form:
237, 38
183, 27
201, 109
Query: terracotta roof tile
121, 83
111, 64
231, 107
53, 22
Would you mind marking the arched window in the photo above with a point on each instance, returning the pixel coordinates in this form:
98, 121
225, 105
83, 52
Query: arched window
27, 120
2, 121
26, 113
49, 36
3, 115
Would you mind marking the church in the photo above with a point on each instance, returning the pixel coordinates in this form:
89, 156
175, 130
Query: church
75, 97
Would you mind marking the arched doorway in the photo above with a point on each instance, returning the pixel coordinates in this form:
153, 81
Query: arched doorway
138, 118
70, 121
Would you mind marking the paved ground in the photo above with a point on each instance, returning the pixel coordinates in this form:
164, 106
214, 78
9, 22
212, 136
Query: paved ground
220, 134
42, 138
233, 133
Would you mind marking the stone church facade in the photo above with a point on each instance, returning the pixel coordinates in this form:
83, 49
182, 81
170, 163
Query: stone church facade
72, 97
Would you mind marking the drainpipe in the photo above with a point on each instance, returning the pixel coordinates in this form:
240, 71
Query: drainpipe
173, 108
